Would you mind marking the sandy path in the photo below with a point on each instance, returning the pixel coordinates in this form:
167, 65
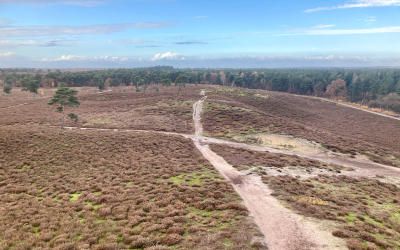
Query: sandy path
362, 167
350, 106
15, 106
282, 228
127, 131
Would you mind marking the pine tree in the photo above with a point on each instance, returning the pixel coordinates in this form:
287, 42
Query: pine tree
65, 97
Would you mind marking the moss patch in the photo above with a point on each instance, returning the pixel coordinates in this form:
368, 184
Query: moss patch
74, 197
192, 179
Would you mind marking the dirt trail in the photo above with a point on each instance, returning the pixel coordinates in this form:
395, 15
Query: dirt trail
14, 106
282, 228
361, 167
350, 106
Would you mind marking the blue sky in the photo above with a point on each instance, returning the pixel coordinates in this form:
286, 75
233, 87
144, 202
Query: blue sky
193, 33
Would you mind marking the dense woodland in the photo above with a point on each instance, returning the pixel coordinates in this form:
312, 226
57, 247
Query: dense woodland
374, 87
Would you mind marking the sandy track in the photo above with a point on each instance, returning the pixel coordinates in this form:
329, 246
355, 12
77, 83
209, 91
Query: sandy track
361, 167
349, 106
128, 131
282, 228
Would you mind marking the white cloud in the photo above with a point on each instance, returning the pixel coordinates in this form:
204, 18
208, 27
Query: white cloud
335, 32
32, 42
255, 61
357, 4
17, 31
82, 3
66, 58
324, 26
6, 54
76, 58
167, 56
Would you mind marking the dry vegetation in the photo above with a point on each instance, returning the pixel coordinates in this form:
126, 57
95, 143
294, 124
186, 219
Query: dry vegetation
18, 97
101, 190
232, 112
367, 211
104, 190
159, 108
246, 159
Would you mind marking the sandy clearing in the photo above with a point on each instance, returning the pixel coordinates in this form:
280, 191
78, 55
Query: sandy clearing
284, 142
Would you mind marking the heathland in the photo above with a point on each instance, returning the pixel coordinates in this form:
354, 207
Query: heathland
197, 166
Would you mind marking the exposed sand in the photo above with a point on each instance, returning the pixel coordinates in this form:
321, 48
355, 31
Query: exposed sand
284, 142
282, 228
361, 166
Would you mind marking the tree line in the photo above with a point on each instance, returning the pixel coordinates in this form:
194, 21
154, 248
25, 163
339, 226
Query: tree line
374, 87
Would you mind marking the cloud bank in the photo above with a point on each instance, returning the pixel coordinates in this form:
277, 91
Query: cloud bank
9, 59
328, 31
38, 30
357, 4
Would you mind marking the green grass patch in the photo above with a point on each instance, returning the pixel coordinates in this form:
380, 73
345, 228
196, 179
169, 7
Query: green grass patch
200, 212
129, 184
372, 221
395, 217
92, 205
192, 179
24, 167
36, 230
74, 197
227, 243
351, 218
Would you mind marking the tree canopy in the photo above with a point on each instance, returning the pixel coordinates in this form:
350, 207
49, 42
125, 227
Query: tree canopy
65, 97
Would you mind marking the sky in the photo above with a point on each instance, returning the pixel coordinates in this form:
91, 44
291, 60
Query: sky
199, 33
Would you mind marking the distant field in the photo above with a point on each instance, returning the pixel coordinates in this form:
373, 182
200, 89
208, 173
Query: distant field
163, 109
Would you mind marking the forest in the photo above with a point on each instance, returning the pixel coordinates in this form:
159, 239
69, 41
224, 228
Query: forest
375, 87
